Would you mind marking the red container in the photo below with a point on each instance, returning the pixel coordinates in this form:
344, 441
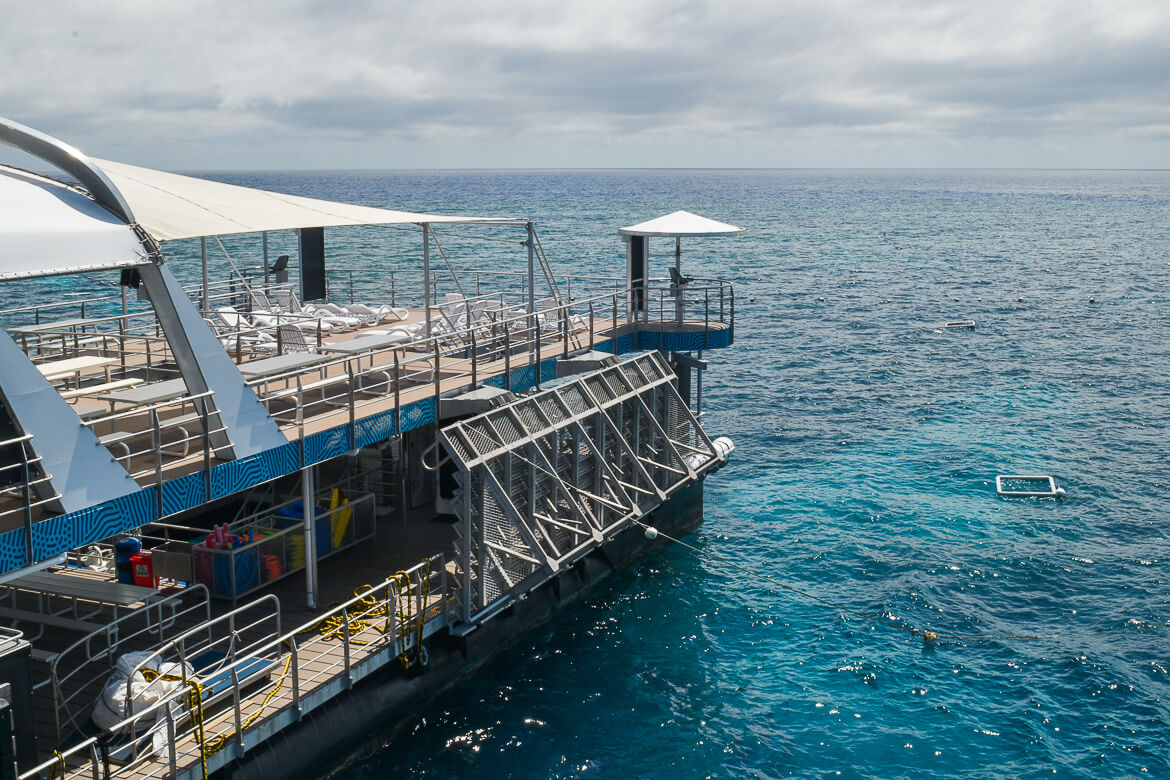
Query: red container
143, 569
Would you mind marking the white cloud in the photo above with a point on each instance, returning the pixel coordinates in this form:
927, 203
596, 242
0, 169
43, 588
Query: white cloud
832, 82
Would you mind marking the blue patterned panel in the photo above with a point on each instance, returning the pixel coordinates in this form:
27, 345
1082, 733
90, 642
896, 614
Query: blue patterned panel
12, 550
243, 473
327, 444
185, 492
418, 414
624, 344
548, 370
375, 428
523, 378
684, 342
67, 532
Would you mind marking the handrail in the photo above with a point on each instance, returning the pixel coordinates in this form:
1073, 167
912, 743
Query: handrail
164, 709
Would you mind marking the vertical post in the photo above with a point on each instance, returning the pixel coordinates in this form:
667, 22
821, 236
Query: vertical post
530, 243
474, 361
507, 356
427, 279
203, 261
307, 493
699, 388
264, 238
122, 334
678, 290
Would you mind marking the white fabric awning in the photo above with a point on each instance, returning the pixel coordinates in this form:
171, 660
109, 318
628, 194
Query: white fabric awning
170, 206
680, 223
47, 228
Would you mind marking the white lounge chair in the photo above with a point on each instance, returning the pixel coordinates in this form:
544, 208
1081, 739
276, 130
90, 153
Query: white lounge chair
377, 314
340, 321
249, 341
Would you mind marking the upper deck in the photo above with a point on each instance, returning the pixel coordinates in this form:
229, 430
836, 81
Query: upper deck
329, 383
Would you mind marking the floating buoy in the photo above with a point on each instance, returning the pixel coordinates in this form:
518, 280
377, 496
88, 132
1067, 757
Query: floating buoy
929, 638
651, 532
1060, 493
822, 300
1092, 300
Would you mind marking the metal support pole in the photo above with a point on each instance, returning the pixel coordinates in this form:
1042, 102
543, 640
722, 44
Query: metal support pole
427, 279
203, 261
264, 237
678, 290
307, 492
530, 242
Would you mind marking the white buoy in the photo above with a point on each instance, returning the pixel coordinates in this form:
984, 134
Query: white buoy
651, 532
1060, 493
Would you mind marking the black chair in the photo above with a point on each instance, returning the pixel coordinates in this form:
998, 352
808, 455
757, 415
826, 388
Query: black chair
677, 279
280, 269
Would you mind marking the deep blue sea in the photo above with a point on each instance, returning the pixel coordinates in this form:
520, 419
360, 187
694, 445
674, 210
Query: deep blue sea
868, 444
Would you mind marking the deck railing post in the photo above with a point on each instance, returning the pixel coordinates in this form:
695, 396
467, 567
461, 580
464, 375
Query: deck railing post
565, 328
731, 324
351, 298
156, 441
706, 309
396, 377
236, 706
591, 333
507, 356
393, 291
345, 646
296, 675
172, 758
203, 409
27, 473
474, 361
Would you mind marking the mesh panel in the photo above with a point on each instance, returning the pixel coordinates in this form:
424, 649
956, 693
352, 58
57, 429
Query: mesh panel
528, 414
544, 466
505, 427
598, 387
574, 399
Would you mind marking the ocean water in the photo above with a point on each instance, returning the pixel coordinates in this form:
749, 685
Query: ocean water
868, 443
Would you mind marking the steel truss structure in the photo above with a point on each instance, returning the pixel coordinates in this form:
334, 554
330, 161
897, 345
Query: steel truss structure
549, 477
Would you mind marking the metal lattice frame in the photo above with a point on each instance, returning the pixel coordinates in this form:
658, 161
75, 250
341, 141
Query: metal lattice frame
549, 477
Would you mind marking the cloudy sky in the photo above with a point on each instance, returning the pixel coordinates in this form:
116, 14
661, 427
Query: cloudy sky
595, 83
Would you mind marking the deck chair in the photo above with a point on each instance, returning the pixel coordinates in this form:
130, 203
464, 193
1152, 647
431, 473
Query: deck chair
376, 314
248, 342
292, 339
290, 304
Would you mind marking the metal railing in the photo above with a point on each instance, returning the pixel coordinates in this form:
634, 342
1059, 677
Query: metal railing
313, 662
470, 339
74, 671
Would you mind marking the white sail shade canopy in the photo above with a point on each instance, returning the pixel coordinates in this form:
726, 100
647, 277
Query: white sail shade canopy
47, 228
680, 223
170, 206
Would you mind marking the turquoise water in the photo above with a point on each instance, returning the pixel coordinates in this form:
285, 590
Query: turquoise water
868, 443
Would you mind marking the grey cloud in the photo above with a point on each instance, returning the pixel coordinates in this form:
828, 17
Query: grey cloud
585, 76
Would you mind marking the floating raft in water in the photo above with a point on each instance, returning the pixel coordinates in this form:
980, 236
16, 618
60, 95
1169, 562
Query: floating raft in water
1026, 485
968, 324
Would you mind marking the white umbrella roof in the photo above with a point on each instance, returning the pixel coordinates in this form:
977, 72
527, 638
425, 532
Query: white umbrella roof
680, 223
170, 206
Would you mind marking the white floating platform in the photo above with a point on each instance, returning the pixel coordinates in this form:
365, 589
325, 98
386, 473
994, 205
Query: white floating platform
968, 324
1026, 486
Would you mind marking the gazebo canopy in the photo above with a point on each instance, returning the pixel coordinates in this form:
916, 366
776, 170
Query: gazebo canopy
680, 223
